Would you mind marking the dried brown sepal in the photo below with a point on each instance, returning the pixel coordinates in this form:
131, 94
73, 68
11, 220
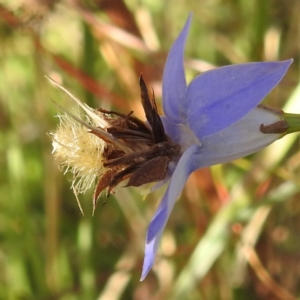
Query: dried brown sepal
122, 175
123, 133
132, 122
134, 150
103, 183
278, 127
149, 105
152, 170
273, 110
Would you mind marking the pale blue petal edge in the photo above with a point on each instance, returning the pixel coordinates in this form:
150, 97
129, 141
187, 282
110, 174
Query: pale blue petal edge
229, 93
174, 82
150, 253
240, 139
188, 162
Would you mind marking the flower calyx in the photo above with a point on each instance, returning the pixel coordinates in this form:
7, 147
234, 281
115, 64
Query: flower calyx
280, 126
150, 150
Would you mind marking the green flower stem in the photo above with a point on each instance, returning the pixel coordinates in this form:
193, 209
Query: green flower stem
293, 121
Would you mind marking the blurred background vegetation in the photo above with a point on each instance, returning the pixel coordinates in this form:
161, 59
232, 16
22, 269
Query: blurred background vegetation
235, 232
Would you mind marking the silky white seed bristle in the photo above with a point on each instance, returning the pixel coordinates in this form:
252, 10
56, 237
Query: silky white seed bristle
79, 152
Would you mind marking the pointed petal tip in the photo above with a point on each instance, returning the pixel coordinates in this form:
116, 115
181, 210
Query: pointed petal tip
286, 63
189, 19
144, 274
174, 82
289, 61
150, 254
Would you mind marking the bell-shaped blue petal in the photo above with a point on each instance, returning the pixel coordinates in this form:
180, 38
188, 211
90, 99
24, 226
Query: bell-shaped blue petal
240, 139
174, 82
220, 97
188, 163
214, 120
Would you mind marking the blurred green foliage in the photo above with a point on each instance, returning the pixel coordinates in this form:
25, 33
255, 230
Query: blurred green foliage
234, 234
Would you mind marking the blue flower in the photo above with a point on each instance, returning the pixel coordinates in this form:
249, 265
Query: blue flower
214, 119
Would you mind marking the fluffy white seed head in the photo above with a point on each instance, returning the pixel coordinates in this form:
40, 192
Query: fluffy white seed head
78, 151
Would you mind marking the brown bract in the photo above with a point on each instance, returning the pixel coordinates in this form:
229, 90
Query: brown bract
151, 150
